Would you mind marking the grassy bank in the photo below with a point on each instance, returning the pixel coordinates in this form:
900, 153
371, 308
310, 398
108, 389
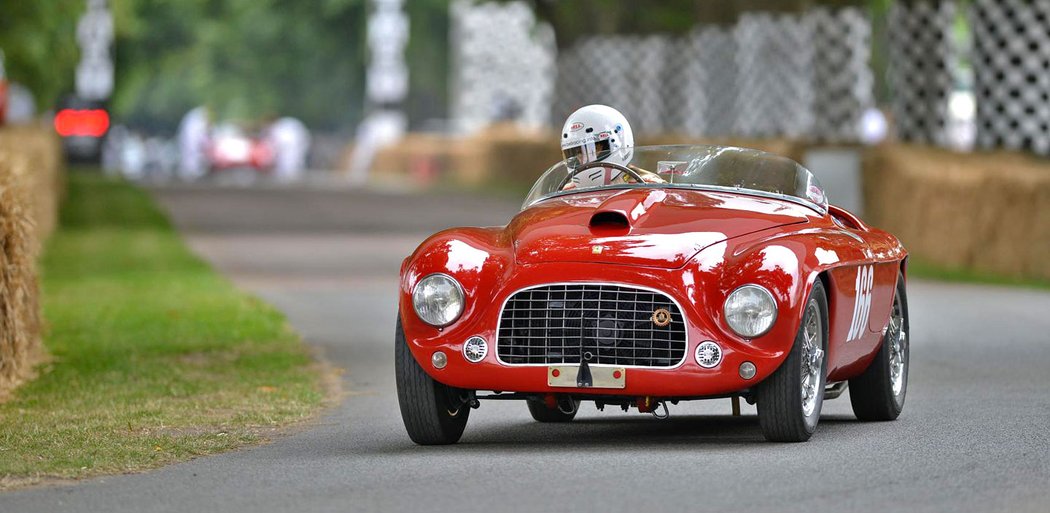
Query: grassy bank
919, 268
155, 358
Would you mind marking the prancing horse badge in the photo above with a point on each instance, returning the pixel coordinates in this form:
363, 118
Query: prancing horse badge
661, 317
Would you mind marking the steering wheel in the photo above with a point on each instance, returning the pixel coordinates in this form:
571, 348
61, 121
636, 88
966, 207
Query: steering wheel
591, 165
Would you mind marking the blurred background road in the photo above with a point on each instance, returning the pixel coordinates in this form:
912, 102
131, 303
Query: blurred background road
972, 437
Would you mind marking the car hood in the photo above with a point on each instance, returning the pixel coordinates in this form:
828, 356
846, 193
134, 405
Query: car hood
641, 226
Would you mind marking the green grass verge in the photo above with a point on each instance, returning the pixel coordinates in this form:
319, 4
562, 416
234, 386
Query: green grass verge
922, 269
155, 358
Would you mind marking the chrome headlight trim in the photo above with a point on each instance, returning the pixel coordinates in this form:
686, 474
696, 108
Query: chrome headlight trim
740, 329
420, 303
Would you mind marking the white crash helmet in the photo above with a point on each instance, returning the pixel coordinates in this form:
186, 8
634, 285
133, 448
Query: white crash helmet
597, 133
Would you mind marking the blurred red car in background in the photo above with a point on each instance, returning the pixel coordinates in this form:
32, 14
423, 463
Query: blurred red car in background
231, 148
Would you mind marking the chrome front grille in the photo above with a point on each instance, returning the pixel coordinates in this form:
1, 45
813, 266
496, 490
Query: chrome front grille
599, 323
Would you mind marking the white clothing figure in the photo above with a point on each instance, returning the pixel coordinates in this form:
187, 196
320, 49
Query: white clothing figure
193, 142
290, 140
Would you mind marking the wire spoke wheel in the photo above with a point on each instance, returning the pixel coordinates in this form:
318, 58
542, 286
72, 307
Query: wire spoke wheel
790, 399
897, 337
812, 359
878, 393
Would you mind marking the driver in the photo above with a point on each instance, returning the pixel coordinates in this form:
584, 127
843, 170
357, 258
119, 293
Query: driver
600, 133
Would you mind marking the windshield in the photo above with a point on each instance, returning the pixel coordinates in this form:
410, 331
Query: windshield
721, 168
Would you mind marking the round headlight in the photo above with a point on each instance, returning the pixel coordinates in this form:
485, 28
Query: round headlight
750, 311
438, 299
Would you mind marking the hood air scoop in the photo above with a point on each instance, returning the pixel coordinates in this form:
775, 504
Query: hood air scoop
610, 222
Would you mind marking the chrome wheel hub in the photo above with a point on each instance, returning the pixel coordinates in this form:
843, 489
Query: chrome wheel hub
897, 337
812, 359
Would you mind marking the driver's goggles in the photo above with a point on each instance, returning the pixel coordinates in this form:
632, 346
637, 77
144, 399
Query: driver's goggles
590, 151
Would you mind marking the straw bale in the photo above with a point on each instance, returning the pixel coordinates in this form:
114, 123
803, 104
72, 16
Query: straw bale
30, 185
984, 211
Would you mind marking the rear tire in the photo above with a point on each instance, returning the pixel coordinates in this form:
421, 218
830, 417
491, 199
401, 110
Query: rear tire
878, 394
433, 413
541, 413
789, 400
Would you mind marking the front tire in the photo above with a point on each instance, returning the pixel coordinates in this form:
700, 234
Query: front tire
433, 413
789, 400
879, 393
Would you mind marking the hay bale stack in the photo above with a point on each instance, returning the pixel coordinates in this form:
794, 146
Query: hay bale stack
984, 211
30, 185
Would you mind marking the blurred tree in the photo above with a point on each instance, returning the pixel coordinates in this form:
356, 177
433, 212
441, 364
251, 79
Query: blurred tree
38, 38
427, 57
251, 59
246, 59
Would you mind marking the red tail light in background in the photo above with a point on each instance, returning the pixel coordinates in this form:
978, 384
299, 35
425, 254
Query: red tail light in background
81, 123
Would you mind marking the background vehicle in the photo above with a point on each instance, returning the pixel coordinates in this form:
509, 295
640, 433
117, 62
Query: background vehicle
231, 148
83, 125
734, 277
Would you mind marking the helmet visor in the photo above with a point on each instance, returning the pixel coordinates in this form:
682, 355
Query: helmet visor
590, 151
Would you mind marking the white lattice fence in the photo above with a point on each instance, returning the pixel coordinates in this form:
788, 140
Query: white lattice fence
503, 61
775, 83
705, 104
1012, 73
624, 72
842, 78
920, 68
769, 75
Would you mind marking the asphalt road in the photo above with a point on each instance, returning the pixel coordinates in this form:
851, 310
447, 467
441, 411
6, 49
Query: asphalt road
973, 435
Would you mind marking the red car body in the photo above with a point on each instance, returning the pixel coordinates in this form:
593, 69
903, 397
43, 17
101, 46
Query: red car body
693, 244
720, 241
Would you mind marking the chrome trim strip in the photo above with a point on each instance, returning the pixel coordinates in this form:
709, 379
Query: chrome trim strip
685, 321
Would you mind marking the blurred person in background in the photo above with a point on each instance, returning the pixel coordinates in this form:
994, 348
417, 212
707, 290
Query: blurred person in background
21, 105
290, 140
193, 141
133, 156
112, 150
157, 164
3, 90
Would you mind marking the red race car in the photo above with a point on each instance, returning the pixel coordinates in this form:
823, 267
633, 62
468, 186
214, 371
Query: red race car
698, 272
231, 148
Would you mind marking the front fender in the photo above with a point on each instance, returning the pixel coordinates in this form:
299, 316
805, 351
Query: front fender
475, 257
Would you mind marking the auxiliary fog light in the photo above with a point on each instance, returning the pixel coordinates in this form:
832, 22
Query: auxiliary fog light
475, 349
439, 360
748, 370
708, 354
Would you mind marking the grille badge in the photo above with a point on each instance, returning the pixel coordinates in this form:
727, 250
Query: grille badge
661, 317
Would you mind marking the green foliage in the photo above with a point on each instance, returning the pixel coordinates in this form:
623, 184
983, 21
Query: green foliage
249, 59
155, 358
920, 268
246, 59
38, 38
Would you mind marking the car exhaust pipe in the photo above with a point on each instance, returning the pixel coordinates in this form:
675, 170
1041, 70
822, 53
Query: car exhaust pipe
834, 390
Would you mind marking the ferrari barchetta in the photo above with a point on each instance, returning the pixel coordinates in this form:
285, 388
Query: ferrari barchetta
727, 275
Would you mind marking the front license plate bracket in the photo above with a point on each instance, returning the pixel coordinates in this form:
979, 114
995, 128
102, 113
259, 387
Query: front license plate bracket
568, 376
